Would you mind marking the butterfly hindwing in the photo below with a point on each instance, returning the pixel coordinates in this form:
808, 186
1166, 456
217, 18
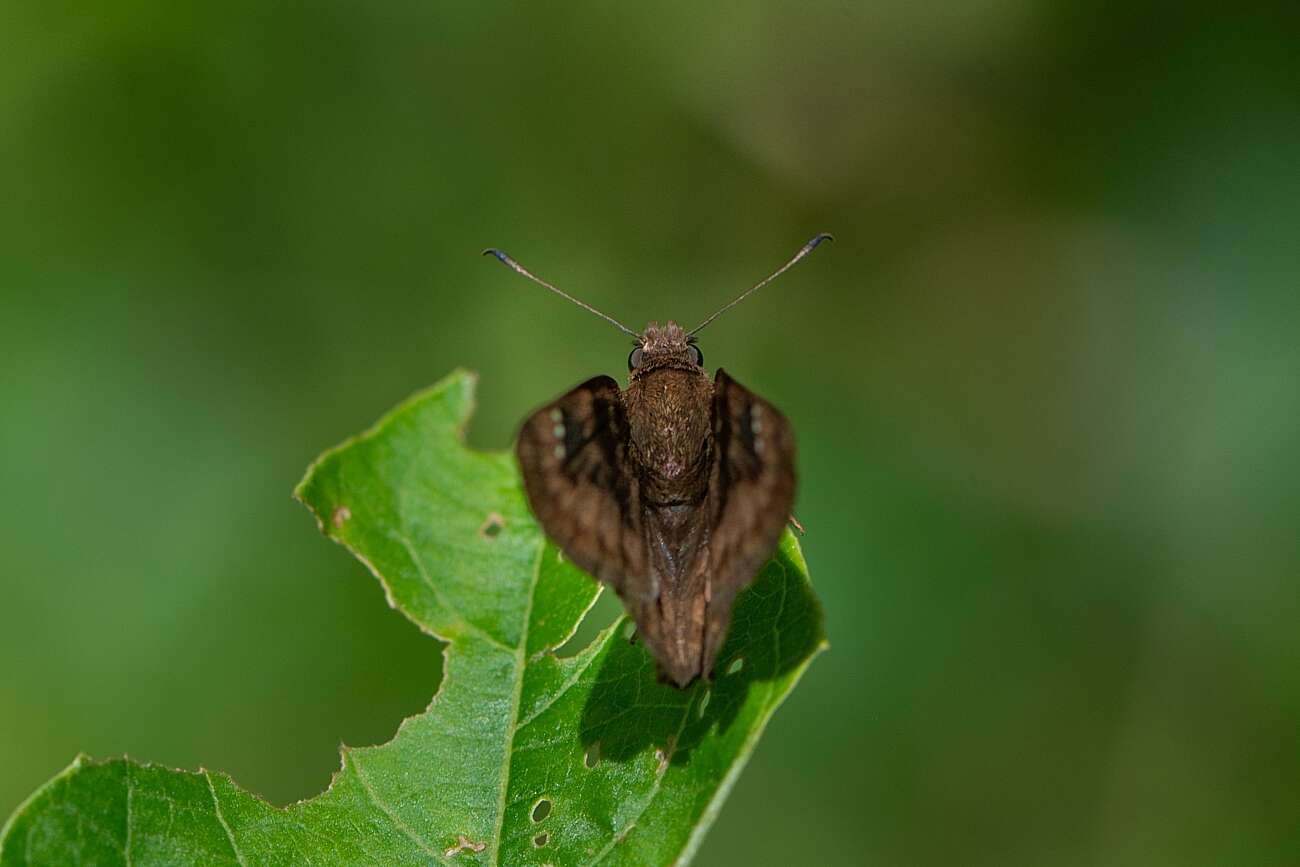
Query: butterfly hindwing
574, 457
751, 495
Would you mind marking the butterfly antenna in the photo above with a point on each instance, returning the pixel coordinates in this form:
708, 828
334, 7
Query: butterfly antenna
803, 251
520, 269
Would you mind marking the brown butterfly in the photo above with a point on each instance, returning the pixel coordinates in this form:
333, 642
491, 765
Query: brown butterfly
673, 491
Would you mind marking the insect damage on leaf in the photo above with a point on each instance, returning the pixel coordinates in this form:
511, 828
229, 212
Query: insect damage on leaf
492, 527
512, 724
464, 844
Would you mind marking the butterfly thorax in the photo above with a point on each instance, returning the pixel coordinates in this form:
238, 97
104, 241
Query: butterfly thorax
668, 404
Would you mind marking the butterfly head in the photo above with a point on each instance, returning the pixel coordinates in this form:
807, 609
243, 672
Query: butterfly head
669, 346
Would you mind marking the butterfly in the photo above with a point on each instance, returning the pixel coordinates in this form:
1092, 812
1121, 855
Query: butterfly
673, 491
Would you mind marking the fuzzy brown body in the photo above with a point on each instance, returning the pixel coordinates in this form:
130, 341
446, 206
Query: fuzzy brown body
674, 492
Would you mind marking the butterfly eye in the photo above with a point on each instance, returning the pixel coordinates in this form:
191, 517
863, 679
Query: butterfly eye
634, 360
699, 356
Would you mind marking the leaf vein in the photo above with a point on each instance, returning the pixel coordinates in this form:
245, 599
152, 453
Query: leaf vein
520, 662
669, 750
130, 797
418, 562
559, 693
388, 811
230, 835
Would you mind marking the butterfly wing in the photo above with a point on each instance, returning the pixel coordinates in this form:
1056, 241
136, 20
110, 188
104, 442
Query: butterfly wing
574, 457
752, 492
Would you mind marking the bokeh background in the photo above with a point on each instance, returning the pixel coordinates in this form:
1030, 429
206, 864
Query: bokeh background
1045, 382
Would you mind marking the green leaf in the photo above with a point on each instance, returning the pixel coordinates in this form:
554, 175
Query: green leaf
523, 757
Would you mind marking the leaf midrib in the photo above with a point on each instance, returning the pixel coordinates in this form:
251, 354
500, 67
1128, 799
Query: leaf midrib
521, 662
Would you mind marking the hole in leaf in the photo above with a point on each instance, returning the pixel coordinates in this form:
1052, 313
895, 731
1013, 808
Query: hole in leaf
704, 702
540, 840
603, 614
541, 810
340, 517
592, 756
492, 527
736, 665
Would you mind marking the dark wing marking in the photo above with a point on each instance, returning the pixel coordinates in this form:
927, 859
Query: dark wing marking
752, 492
574, 457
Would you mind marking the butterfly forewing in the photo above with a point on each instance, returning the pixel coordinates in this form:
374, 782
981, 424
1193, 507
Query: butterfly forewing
751, 494
574, 457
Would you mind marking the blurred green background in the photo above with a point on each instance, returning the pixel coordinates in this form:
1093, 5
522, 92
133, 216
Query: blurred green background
1045, 382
